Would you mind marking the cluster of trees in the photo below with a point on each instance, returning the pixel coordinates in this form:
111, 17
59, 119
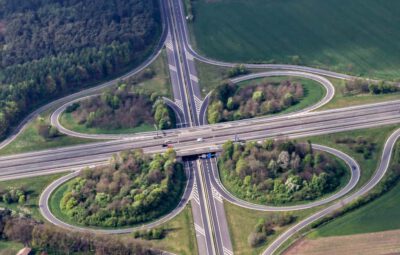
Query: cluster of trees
13, 195
360, 145
52, 240
266, 227
121, 108
358, 86
133, 188
231, 102
278, 171
49, 48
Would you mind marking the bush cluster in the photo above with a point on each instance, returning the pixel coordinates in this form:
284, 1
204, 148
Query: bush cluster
121, 108
278, 171
266, 227
358, 86
359, 145
134, 188
232, 102
13, 195
150, 234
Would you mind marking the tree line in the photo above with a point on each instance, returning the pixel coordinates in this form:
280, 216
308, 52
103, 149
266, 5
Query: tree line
278, 172
52, 240
233, 102
120, 107
134, 188
49, 48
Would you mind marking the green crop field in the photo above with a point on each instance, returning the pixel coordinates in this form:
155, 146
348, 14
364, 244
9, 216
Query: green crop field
353, 36
379, 215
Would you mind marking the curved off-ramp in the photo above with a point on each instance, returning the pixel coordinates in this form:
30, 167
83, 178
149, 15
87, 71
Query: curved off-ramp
49, 216
328, 86
380, 172
354, 178
325, 83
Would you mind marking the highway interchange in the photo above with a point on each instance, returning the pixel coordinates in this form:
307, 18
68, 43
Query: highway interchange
204, 190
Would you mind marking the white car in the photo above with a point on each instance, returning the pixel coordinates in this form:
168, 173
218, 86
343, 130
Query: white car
200, 139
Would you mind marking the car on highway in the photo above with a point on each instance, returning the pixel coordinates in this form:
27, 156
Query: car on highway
167, 143
200, 139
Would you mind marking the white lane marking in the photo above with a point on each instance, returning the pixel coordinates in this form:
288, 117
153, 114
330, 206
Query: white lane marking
227, 252
179, 103
195, 194
172, 68
199, 229
216, 194
194, 78
198, 102
188, 55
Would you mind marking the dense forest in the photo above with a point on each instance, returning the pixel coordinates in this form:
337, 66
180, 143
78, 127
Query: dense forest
121, 108
233, 102
133, 189
52, 240
49, 48
278, 172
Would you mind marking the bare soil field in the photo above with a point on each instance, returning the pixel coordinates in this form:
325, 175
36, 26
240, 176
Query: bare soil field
379, 243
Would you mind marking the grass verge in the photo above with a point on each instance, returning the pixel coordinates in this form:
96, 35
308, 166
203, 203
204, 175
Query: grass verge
10, 248
242, 222
34, 187
30, 140
181, 236
368, 166
68, 122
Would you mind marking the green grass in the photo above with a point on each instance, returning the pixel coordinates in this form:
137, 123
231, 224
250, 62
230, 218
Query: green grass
241, 222
181, 236
34, 186
340, 100
68, 122
357, 36
160, 83
30, 140
379, 215
54, 204
10, 248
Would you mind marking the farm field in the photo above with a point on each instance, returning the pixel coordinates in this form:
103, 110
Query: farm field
357, 36
379, 243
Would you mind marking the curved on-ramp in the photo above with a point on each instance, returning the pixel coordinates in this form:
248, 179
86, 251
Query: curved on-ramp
49, 216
